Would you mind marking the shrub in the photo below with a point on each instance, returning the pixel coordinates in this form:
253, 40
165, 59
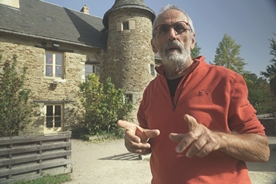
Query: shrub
104, 106
16, 110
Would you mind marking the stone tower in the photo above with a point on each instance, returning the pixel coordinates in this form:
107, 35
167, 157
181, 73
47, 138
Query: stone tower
129, 58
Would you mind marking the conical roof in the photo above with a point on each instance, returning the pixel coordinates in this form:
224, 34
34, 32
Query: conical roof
121, 4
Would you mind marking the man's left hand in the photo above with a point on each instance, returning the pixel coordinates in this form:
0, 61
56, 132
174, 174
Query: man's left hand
201, 140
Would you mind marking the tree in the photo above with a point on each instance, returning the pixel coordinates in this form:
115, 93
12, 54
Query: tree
270, 73
16, 110
227, 55
258, 93
104, 105
271, 69
196, 51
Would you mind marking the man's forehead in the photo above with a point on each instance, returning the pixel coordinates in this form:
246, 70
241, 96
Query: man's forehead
171, 16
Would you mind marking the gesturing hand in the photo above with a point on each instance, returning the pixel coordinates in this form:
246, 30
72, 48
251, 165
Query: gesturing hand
136, 138
201, 140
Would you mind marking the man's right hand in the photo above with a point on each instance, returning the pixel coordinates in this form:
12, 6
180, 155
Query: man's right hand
136, 138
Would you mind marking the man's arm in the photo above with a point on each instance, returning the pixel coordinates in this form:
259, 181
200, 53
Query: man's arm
246, 147
202, 141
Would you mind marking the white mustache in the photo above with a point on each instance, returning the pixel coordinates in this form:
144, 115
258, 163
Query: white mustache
173, 44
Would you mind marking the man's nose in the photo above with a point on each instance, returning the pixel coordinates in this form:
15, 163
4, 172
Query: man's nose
172, 33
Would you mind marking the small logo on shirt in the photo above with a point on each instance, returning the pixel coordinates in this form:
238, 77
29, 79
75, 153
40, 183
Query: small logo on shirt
202, 92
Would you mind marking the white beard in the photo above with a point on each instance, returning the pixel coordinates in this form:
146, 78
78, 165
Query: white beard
175, 59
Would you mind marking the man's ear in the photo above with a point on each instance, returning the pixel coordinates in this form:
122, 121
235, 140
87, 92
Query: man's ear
154, 49
193, 42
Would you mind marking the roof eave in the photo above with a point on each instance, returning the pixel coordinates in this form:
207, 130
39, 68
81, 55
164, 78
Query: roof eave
52, 39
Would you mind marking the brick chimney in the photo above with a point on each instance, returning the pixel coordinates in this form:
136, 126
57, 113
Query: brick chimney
85, 9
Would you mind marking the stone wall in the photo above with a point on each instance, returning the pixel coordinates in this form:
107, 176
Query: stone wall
129, 54
30, 53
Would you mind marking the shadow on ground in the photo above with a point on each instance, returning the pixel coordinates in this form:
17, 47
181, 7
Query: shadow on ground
124, 156
269, 166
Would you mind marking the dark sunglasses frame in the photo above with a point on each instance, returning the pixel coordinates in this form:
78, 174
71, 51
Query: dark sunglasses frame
168, 27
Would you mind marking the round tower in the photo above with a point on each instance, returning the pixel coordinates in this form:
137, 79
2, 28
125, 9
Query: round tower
129, 58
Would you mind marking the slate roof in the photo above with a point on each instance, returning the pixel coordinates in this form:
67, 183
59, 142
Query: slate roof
40, 19
119, 4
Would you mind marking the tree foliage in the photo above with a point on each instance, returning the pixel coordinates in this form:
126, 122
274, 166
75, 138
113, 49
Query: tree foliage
227, 55
258, 92
270, 73
104, 105
196, 51
16, 110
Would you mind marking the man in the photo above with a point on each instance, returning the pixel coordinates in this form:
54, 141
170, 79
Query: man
194, 118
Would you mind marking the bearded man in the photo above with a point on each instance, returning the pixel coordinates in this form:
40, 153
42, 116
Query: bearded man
194, 118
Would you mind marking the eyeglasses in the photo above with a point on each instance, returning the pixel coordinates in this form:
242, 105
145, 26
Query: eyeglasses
179, 27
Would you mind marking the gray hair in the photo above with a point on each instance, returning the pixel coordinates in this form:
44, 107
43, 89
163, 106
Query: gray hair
172, 7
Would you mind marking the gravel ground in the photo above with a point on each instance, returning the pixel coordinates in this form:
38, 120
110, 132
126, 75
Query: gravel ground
110, 163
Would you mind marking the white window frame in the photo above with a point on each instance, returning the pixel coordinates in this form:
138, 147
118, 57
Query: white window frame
53, 129
54, 64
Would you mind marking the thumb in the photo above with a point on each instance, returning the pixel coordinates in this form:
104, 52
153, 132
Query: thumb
152, 133
191, 121
146, 134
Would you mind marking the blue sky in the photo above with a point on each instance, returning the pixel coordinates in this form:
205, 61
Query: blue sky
251, 23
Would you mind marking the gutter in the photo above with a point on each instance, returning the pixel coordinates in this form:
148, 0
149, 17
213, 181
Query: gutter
51, 39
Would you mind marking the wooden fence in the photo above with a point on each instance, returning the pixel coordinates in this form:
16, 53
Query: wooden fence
31, 157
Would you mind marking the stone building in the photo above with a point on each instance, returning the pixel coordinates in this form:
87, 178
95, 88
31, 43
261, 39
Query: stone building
61, 47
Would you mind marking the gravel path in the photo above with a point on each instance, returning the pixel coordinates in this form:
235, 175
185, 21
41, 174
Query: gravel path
110, 163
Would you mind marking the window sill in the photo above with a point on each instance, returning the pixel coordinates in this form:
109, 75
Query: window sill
55, 80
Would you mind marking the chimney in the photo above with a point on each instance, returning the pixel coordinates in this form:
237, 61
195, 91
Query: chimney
12, 3
85, 9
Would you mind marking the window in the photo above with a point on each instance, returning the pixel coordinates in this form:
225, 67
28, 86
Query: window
126, 25
128, 98
91, 68
152, 70
54, 64
53, 116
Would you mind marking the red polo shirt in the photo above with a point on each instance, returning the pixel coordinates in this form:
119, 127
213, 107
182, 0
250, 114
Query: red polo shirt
217, 98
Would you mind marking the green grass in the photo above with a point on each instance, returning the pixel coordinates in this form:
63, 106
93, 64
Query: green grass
48, 180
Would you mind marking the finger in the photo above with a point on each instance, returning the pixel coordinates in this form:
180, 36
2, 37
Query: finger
131, 130
211, 145
132, 136
126, 125
196, 147
205, 150
184, 143
135, 147
176, 137
146, 134
140, 132
191, 121
152, 133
